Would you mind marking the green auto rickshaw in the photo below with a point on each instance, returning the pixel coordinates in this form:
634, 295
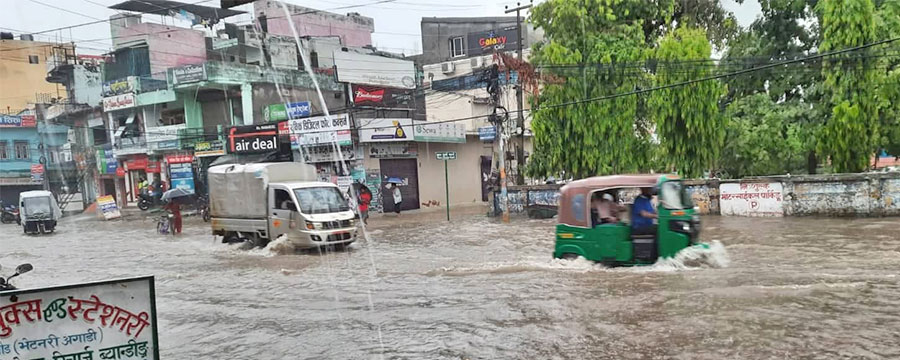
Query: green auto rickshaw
579, 233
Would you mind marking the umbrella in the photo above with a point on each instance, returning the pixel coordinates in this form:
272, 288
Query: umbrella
394, 180
176, 193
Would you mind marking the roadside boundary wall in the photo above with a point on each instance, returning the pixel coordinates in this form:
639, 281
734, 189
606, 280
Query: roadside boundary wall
845, 195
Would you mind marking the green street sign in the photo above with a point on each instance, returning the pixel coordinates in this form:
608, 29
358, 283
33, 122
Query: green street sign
446, 155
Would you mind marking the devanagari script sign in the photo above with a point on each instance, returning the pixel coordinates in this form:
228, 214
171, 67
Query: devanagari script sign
102, 320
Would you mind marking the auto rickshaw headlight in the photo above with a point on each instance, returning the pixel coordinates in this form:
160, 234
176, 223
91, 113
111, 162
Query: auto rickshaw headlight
686, 227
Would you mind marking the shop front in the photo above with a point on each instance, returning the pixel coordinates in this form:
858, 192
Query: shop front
392, 154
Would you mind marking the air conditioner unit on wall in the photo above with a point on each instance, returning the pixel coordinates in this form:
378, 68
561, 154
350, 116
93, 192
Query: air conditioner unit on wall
448, 67
477, 62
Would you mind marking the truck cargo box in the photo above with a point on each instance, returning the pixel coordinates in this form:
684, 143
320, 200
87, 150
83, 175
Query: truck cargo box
240, 190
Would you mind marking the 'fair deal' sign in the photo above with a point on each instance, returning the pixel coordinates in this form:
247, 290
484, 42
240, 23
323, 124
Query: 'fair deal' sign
102, 320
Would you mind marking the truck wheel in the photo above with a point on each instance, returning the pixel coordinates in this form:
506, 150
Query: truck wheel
230, 238
569, 256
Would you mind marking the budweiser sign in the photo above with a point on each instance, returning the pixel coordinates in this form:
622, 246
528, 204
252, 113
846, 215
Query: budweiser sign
363, 95
382, 97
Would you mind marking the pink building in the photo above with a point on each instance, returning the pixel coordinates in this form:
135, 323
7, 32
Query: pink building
168, 46
353, 29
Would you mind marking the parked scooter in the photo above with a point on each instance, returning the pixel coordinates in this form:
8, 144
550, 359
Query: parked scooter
147, 199
5, 285
9, 214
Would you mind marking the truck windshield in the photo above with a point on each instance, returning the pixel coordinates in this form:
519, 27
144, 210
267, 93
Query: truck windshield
37, 206
673, 196
321, 200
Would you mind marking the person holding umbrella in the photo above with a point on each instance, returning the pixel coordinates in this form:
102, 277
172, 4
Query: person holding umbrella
364, 197
171, 197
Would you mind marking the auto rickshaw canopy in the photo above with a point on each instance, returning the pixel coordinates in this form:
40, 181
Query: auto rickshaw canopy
574, 196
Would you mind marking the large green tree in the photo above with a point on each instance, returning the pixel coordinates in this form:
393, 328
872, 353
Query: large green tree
690, 128
852, 133
592, 48
887, 22
763, 137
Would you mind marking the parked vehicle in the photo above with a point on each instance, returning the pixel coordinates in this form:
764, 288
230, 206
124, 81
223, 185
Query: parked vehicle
9, 214
5, 284
38, 211
261, 202
203, 204
677, 227
147, 200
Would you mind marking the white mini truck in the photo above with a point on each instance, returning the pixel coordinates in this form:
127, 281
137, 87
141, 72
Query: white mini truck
262, 202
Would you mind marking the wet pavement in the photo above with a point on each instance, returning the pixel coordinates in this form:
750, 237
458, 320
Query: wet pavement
474, 288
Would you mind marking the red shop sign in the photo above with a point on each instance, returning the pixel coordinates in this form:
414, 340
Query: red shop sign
137, 163
178, 159
120, 171
153, 167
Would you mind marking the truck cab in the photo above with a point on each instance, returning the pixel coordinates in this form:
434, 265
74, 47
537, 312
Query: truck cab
311, 214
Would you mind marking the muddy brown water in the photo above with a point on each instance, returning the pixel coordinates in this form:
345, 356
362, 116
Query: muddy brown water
476, 289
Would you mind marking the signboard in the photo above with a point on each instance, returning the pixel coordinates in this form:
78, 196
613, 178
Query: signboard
751, 199
384, 130
120, 172
164, 133
445, 155
209, 148
486, 42
320, 131
102, 320
11, 121
393, 150
374, 70
120, 86
165, 145
382, 97
182, 176
223, 43
188, 74
487, 133
138, 162
278, 112
106, 161
253, 139
108, 207
327, 153
153, 167
440, 132
118, 102
179, 158
37, 173
344, 183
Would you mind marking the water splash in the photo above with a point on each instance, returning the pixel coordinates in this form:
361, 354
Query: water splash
710, 255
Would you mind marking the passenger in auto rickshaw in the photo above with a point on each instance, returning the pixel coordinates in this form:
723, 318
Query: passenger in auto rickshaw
643, 214
604, 209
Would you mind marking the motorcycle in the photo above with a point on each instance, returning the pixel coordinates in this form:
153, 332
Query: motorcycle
203, 203
146, 200
9, 214
5, 285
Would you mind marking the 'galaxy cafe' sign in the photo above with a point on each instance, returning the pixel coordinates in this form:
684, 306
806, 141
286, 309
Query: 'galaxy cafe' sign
495, 40
253, 139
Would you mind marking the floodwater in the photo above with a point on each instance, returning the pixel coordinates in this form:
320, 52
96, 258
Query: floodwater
477, 289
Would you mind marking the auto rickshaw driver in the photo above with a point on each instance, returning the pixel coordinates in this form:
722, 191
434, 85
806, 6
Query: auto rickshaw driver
643, 214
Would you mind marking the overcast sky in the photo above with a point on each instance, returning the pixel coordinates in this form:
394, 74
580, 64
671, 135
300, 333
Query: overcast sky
396, 23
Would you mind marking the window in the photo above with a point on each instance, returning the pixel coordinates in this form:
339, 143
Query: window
321, 200
456, 47
33, 59
283, 200
313, 60
22, 150
52, 153
578, 207
3, 154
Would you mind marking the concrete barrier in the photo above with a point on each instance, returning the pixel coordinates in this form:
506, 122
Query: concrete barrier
865, 194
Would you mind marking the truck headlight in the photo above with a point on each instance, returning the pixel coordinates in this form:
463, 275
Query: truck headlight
312, 225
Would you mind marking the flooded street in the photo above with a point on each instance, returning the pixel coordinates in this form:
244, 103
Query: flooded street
475, 288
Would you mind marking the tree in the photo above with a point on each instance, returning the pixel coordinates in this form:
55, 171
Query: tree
764, 137
687, 119
887, 22
592, 46
851, 135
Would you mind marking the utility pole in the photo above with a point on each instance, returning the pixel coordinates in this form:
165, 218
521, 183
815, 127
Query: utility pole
492, 78
520, 121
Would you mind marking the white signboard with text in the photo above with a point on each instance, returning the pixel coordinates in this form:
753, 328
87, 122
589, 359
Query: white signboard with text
439, 132
102, 320
118, 102
751, 199
320, 130
356, 68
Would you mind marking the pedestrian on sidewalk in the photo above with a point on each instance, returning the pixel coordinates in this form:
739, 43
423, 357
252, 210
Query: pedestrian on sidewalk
398, 199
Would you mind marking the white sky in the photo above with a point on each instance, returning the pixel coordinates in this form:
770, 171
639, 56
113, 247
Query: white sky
396, 23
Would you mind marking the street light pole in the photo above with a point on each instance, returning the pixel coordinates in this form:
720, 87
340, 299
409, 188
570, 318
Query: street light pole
520, 121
